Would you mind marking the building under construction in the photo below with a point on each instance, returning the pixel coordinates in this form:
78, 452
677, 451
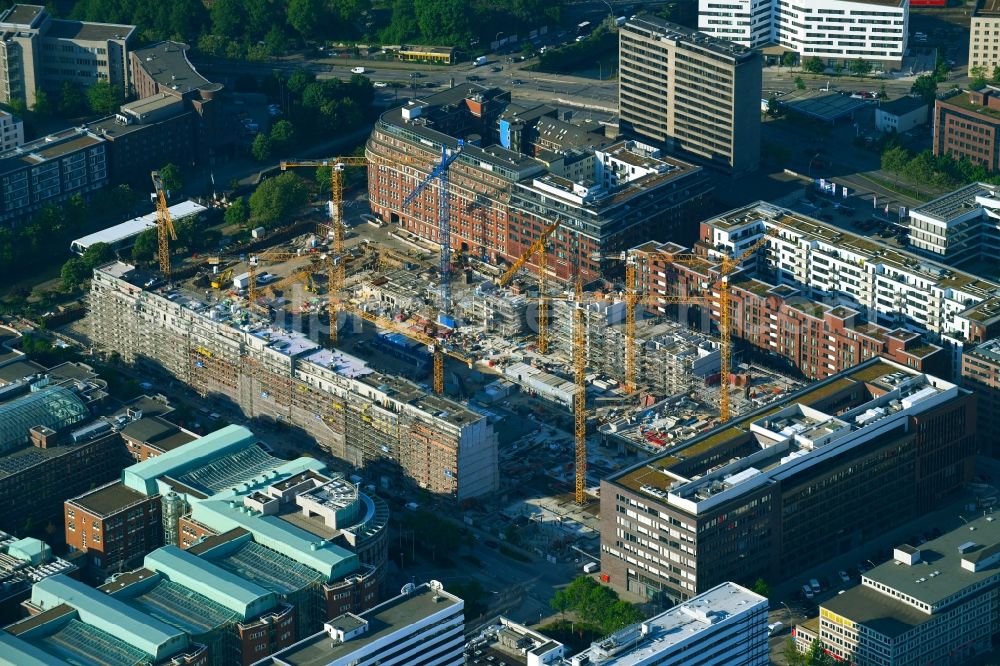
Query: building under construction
370, 420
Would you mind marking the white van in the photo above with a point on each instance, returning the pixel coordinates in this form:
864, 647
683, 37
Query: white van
357, 70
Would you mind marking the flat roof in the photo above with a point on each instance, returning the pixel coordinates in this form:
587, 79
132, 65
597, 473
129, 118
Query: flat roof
827, 106
902, 105
47, 148
655, 26
88, 32
989, 350
962, 101
880, 612
108, 499
939, 574
955, 204
987, 8
167, 64
137, 225
384, 620
22, 15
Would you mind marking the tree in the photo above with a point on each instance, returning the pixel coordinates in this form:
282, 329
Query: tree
104, 97
882, 92
170, 176
42, 106
305, 16
817, 655
445, 21
762, 588
71, 100
261, 148
403, 25
282, 137
227, 18
276, 199
238, 212
894, 160
788, 60
793, 656
97, 254
860, 67
814, 65
926, 87
74, 272
799, 83
146, 245
772, 106
978, 75
996, 74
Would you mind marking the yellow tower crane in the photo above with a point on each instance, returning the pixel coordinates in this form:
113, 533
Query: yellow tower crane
537, 247
164, 225
336, 257
580, 403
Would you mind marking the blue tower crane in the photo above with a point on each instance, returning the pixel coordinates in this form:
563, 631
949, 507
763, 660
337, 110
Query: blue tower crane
440, 172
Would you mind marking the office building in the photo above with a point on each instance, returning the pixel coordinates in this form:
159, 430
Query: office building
691, 92
382, 423
967, 125
24, 562
837, 32
823, 299
50, 170
506, 641
960, 226
981, 374
901, 115
984, 49
423, 626
521, 168
38, 52
51, 448
937, 603
11, 131
790, 485
114, 527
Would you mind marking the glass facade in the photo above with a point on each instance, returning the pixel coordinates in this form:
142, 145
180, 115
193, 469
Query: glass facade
55, 407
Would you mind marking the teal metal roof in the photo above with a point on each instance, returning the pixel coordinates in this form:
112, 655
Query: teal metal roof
15, 651
198, 453
82, 644
269, 568
329, 559
241, 596
55, 407
30, 549
181, 607
111, 615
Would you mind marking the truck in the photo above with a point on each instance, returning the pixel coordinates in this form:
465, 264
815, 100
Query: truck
620, 21
591, 567
481, 60
257, 232
241, 281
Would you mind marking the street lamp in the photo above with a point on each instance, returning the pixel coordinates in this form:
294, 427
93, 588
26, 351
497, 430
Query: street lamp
787, 609
497, 39
811, 163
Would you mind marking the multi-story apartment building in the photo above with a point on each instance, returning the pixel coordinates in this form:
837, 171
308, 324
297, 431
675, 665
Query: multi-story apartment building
423, 626
50, 170
825, 299
984, 36
790, 485
11, 131
967, 125
961, 226
835, 31
690, 92
521, 171
38, 52
981, 374
114, 526
364, 418
938, 603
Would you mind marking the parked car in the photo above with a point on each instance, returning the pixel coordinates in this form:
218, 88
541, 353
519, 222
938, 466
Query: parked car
380, 84
814, 584
807, 591
843, 576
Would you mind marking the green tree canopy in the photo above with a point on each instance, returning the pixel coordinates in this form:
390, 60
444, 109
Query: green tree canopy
788, 59
276, 199
925, 86
596, 604
145, 246
97, 254
761, 587
800, 84
74, 272
104, 97
282, 137
445, 21
170, 176
306, 16
261, 148
71, 100
238, 212
860, 67
894, 159
42, 106
814, 65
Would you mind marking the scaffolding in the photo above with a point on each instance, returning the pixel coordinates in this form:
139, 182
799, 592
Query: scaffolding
81, 643
54, 407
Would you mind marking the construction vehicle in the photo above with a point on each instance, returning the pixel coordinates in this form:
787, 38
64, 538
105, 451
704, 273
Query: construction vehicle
440, 173
165, 231
223, 279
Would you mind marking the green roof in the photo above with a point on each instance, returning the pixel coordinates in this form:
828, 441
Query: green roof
110, 615
199, 574
210, 448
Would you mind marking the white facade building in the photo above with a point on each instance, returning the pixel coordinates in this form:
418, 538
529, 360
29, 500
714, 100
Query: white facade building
900, 115
423, 626
11, 131
725, 626
836, 31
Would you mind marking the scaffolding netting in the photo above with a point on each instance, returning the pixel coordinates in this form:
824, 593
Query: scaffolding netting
55, 407
231, 471
185, 609
84, 645
270, 569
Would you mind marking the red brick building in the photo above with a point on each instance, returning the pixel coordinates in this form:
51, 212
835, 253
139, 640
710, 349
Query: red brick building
150, 436
968, 125
981, 373
115, 526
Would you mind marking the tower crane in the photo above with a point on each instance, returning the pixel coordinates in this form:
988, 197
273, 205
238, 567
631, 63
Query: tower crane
336, 258
537, 247
164, 225
440, 173
580, 403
